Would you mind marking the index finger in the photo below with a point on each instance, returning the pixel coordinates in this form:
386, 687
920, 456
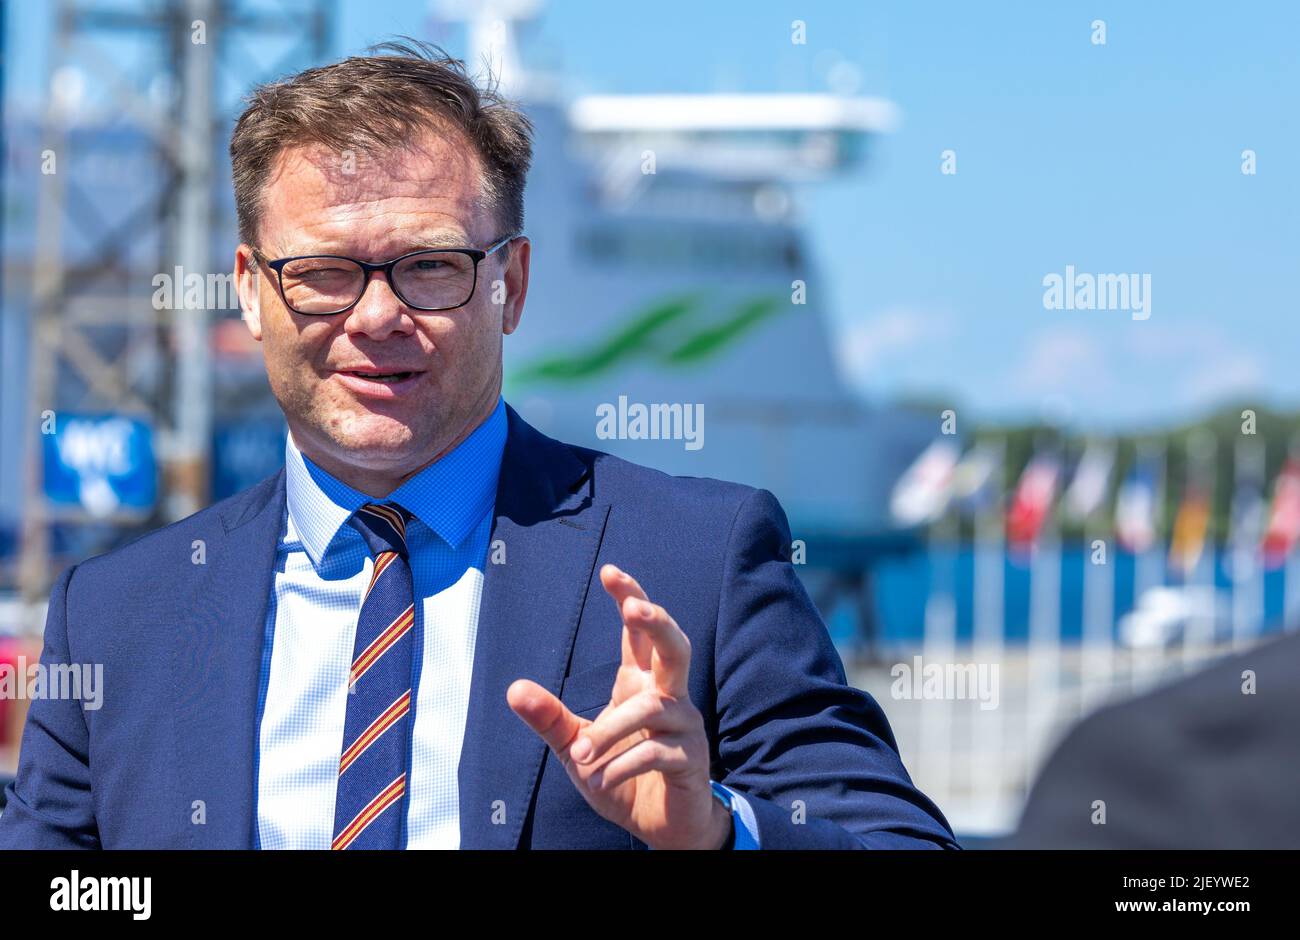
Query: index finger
637, 648
657, 643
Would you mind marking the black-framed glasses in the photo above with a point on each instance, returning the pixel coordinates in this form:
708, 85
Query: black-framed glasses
427, 279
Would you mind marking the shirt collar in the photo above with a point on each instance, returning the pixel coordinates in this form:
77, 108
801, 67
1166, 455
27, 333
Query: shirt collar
450, 496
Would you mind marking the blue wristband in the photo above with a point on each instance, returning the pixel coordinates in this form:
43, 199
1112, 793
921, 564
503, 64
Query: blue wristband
724, 796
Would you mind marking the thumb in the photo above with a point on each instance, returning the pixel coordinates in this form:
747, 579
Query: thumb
545, 714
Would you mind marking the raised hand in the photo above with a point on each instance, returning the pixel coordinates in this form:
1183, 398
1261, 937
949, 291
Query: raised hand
644, 762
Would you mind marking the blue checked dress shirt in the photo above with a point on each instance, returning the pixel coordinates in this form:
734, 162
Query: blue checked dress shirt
322, 569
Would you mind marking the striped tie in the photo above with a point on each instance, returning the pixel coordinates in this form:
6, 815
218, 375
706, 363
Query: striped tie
370, 804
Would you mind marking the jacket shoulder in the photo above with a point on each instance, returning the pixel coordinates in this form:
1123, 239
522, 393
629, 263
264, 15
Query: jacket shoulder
221, 516
617, 479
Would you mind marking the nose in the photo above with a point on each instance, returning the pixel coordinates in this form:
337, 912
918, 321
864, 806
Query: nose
379, 313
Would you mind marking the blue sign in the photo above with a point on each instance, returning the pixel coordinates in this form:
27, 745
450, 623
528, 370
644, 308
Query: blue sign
102, 463
245, 452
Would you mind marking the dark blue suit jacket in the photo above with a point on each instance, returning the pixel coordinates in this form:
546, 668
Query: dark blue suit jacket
169, 762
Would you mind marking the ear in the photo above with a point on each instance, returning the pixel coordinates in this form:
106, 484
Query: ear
516, 284
249, 281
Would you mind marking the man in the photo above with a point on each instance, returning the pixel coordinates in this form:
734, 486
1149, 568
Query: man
401, 639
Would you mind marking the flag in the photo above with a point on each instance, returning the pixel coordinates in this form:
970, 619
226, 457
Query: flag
1135, 510
923, 491
1246, 526
1091, 479
1032, 503
1190, 525
1247, 523
1284, 519
973, 482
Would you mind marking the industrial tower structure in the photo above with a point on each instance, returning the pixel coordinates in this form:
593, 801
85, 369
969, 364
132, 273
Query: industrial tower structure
172, 72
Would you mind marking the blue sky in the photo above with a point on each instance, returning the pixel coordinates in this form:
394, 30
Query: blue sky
1122, 158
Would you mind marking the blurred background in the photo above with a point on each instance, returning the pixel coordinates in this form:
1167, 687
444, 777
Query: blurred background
902, 258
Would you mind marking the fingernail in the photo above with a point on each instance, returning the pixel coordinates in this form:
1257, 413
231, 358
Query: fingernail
581, 750
647, 609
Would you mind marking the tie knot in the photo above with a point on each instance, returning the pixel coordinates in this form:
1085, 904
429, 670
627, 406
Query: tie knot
383, 526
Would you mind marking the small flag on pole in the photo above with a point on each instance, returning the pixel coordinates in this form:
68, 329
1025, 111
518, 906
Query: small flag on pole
1032, 503
1246, 526
1190, 525
973, 482
1284, 519
1091, 480
1135, 510
923, 491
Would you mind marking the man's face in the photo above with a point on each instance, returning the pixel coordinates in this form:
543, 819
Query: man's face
424, 196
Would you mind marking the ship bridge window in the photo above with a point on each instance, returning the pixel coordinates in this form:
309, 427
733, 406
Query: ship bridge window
696, 248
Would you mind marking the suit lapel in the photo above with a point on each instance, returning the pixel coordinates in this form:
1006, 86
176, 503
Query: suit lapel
217, 668
550, 529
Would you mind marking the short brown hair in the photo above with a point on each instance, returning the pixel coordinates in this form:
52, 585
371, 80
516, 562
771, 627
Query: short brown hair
375, 103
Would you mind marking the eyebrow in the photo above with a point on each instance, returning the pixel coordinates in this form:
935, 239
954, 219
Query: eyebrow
434, 238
